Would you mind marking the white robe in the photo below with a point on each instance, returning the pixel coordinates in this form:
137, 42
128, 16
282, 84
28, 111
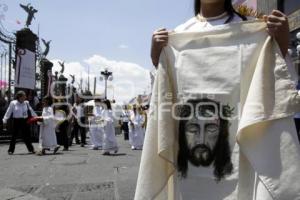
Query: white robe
227, 188
136, 132
96, 128
196, 64
47, 138
109, 137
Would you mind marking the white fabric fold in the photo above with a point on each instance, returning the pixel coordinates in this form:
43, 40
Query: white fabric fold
238, 64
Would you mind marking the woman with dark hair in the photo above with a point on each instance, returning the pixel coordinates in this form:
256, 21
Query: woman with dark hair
210, 13
109, 136
19, 110
47, 140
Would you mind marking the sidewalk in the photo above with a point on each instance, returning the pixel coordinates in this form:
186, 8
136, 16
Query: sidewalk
72, 175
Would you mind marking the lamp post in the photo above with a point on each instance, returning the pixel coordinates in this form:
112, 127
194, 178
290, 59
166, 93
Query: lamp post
107, 75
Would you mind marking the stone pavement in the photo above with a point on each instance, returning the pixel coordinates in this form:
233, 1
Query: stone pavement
78, 174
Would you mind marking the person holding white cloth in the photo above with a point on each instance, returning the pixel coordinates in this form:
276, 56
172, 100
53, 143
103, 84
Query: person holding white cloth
191, 44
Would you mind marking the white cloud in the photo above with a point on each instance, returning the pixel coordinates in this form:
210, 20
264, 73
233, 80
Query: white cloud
129, 79
123, 46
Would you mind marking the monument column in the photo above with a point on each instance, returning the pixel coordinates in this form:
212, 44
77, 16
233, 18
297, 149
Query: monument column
26, 42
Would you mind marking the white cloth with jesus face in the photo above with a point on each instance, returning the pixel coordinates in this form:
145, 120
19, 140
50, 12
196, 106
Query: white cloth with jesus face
237, 69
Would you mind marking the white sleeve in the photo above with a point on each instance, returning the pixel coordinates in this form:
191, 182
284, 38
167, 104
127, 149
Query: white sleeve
107, 116
143, 119
140, 120
137, 120
8, 113
131, 116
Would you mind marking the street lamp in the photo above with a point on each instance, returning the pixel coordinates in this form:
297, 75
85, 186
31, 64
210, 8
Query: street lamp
107, 76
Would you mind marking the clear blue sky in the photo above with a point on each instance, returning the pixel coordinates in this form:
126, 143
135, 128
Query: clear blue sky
79, 29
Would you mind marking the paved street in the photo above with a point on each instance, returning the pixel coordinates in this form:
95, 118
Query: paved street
73, 175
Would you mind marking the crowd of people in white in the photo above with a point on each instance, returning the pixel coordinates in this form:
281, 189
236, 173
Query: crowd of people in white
94, 118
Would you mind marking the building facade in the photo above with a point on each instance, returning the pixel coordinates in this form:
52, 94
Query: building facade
292, 9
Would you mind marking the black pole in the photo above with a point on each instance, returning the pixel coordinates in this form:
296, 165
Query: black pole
106, 87
9, 71
1, 67
95, 82
5, 67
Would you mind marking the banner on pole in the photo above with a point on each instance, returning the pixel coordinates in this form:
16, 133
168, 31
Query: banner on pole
25, 69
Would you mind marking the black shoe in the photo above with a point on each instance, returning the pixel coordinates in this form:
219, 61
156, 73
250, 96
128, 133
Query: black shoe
32, 151
116, 150
78, 142
56, 149
65, 149
106, 153
82, 145
43, 151
10, 152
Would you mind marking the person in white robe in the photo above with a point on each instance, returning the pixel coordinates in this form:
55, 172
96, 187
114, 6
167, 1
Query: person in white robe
109, 137
47, 138
199, 184
136, 128
96, 126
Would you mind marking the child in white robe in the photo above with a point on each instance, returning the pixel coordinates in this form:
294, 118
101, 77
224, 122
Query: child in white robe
96, 126
109, 136
47, 138
136, 129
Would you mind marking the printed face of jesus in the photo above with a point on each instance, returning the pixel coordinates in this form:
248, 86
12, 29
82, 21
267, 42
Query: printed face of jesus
202, 132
